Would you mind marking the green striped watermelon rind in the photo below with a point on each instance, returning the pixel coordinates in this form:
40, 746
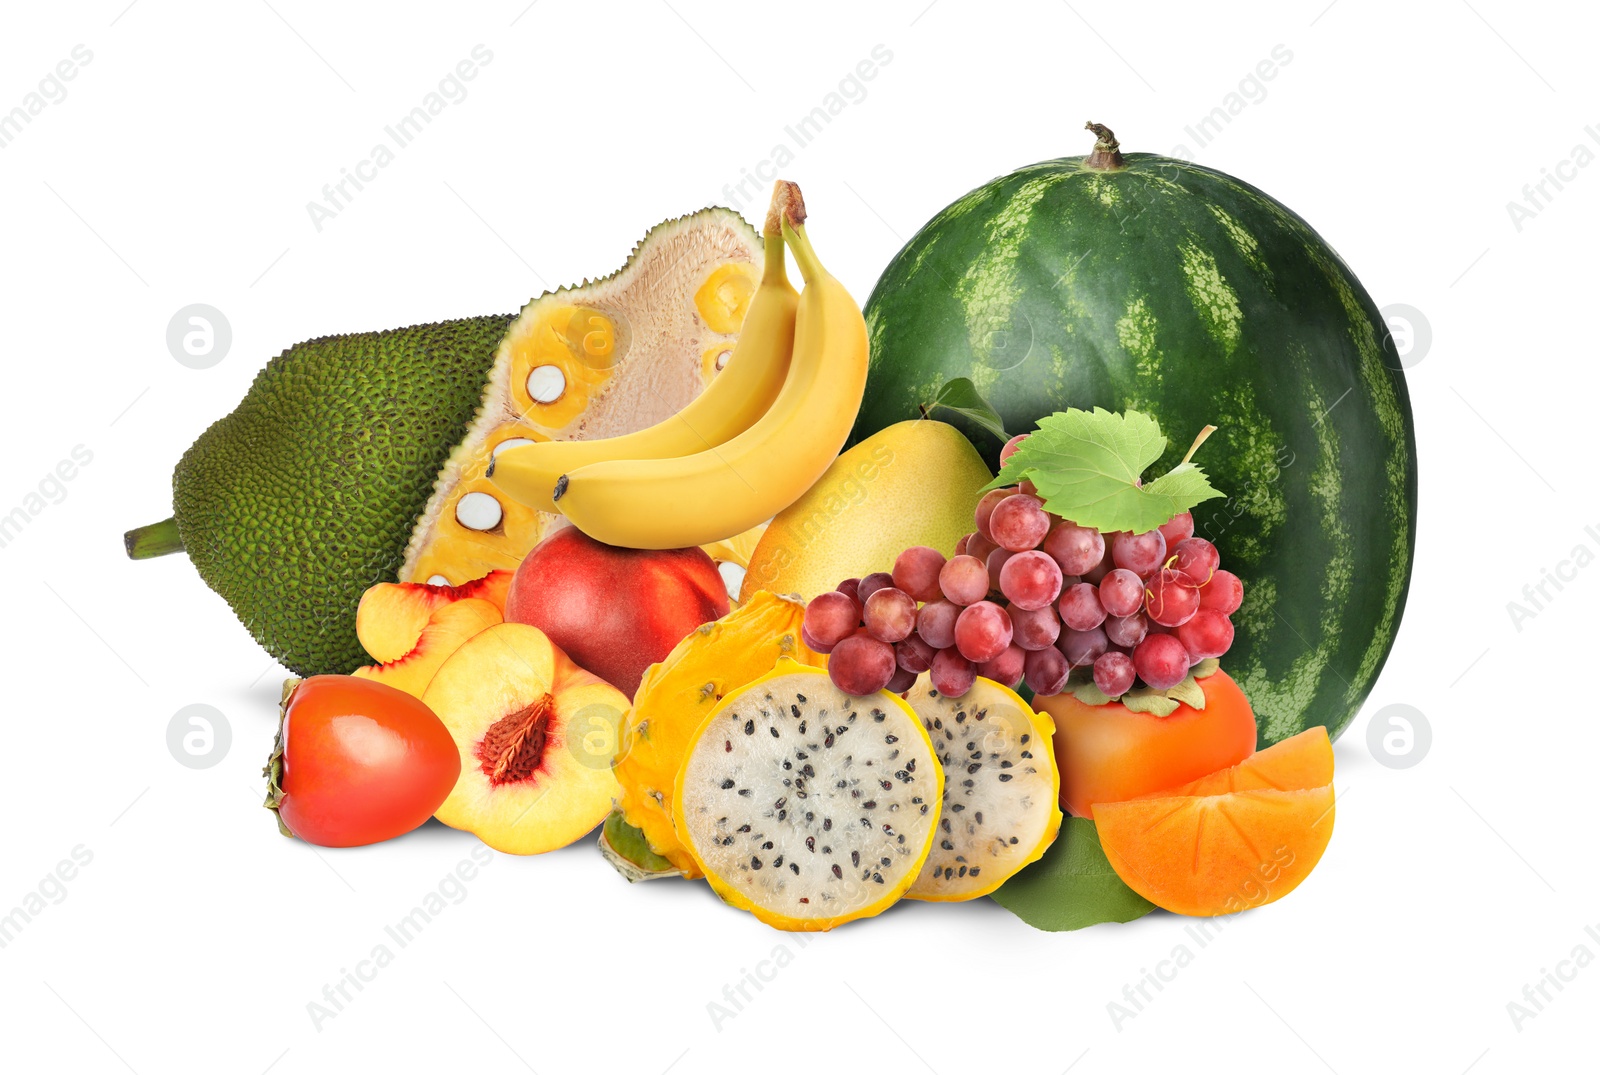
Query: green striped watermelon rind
1187, 294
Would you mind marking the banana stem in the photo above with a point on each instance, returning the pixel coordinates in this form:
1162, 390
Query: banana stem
786, 204
157, 539
774, 271
805, 257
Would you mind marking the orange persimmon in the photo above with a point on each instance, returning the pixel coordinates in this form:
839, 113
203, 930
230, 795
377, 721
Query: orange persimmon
1109, 753
1300, 761
1217, 854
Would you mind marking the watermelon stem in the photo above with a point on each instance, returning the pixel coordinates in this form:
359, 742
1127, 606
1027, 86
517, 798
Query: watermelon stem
1105, 157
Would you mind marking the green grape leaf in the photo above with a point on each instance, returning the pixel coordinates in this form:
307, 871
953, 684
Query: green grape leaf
962, 396
1087, 466
1072, 885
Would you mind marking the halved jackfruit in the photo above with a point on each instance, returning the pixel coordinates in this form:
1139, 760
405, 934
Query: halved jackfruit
599, 360
359, 459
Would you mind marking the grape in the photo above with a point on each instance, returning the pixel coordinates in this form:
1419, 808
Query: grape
1005, 669
916, 571
872, 583
1208, 633
1081, 648
890, 614
914, 655
1224, 592
1018, 522
1030, 580
1160, 660
997, 561
848, 588
811, 643
861, 664
983, 631
1081, 608
951, 674
979, 546
1171, 598
961, 544
1140, 553
1113, 674
831, 617
1074, 547
1035, 629
985, 509
1045, 671
936, 623
1177, 528
1121, 592
901, 681
1011, 447
1197, 558
1127, 630
1103, 568
964, 580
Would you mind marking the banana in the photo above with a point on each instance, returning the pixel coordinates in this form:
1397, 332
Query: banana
707, 496
733, 402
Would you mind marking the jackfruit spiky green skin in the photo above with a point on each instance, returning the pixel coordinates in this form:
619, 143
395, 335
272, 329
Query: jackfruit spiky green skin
305, 495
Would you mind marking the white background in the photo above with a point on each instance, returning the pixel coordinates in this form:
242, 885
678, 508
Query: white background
177, 170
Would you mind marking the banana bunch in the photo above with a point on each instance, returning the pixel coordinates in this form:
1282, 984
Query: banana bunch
744, 449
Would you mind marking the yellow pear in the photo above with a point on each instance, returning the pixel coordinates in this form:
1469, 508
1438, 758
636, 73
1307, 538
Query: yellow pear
913, 483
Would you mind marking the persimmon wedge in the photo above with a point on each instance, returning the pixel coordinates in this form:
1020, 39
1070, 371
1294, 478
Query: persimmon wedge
1109, 753
1217, 854
1300, 761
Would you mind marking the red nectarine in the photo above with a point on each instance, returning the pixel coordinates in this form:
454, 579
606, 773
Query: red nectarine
614, 611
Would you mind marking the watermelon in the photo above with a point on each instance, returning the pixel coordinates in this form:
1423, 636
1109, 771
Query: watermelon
1151, 283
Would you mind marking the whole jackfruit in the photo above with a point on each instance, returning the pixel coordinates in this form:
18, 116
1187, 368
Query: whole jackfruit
357, 424
360, 459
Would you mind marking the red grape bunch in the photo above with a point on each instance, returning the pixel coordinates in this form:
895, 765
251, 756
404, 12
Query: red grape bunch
1029, 597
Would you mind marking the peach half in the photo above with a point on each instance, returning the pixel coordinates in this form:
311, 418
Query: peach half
392, 615
446, 628
537, 735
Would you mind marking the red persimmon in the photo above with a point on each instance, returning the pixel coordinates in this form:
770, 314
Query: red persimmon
357, 762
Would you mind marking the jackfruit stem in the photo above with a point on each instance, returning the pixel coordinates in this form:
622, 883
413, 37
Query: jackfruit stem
157, 539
